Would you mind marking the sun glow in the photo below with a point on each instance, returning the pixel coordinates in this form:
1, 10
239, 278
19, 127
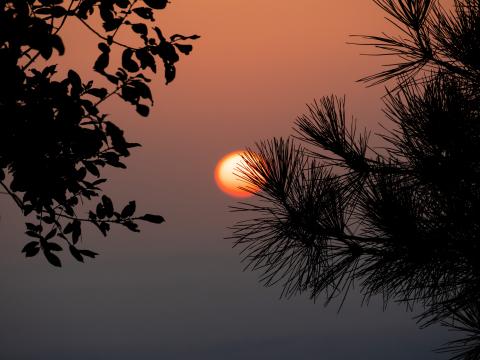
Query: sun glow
226, 175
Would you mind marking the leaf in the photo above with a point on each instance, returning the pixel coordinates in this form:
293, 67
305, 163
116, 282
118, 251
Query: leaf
53, 259
30, 245
98, 92
50, 2
129, 209
127, 62
143, 110
182, 37
56, 11
32, 227
168, 54
103, 227
104, 48
68, 228
140, 29
156, 4
75, 253
146, 59
33, 234
184, 49
108, 205
100, 211
53, 247
99, 181
143, 90
76, 81
27, 209
49, 70
115, 133
130, 94
122, 3
32, 252
88, 253
156, 219
169, 74
112, 25
159, 34
112, 78
81, 173
76, 230
46, 50
144, 12
131, 226
101, 63
31, 249
92, 169
57, 43
48, 219
69, 210
119, 165
51, 234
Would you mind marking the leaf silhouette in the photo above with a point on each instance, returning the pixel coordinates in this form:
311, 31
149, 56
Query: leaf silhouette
156, 219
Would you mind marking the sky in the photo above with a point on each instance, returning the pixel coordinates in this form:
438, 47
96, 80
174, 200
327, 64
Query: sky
177, 291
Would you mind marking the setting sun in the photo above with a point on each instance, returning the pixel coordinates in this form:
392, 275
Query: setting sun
226, 175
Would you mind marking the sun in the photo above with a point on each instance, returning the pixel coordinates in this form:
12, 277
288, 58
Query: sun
226, 175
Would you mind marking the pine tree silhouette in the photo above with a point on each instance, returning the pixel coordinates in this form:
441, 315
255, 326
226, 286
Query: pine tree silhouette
402, 221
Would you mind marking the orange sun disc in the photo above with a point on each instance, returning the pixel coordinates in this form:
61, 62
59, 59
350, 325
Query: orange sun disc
227, 174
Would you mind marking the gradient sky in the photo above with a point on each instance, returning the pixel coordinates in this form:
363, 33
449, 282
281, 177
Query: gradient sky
177, 291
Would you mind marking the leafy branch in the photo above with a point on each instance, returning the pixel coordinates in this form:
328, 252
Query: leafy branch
55, 141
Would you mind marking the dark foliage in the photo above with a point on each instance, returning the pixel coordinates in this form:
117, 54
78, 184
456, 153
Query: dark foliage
401, 220
54, 141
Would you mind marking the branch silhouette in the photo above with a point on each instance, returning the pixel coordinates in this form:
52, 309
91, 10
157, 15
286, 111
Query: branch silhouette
400, 220
55, 142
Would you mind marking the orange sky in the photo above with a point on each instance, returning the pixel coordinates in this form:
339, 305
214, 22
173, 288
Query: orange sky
177, 290
255, 67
